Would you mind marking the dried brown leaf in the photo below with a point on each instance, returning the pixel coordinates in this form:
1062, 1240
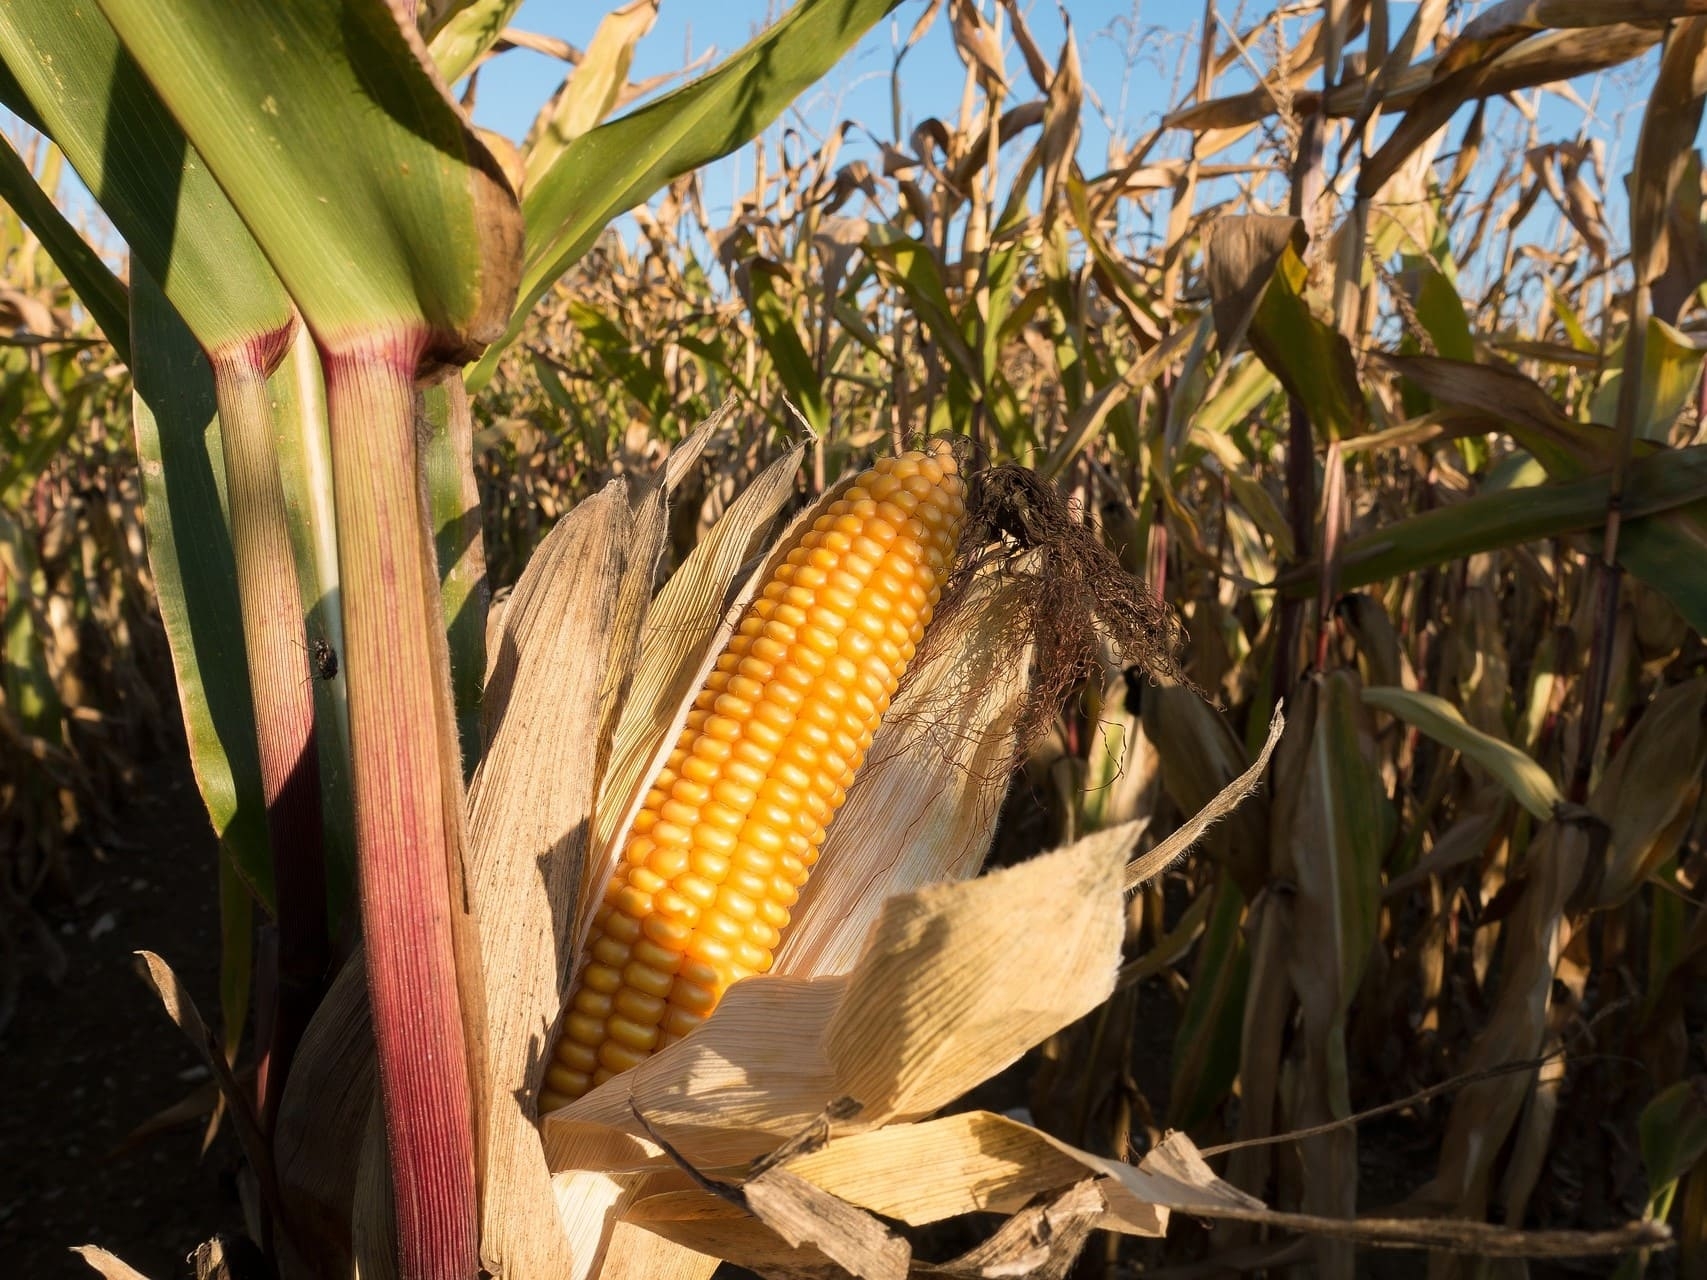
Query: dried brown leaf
1040, 1242
1225, 803
1534, 936
802, 1214
530, 820
181, 1009
1649, 793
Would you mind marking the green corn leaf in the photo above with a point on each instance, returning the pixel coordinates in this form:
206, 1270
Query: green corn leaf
1671, 367
1443, 722
1668, 553
1206, 1047
616, 166
358, 178
195, 577
97, 288
93, 100
1311, 358
1441, 311
1673, 1129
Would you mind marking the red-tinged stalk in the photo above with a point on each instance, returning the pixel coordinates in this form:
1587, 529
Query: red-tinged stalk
407, 838
273, 641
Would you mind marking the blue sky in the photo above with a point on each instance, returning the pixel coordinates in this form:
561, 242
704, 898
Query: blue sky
1137, 55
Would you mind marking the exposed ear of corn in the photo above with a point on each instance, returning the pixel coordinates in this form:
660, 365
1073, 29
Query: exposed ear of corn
730, 830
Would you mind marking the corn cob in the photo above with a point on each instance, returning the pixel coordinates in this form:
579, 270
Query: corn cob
733, 823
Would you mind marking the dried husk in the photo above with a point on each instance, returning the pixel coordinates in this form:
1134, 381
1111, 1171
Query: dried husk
957, 981
530, 820
924, 806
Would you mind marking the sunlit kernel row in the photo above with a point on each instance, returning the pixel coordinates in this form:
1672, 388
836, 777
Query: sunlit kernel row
733, 823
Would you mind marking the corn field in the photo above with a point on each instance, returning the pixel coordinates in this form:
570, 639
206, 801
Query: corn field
989, 710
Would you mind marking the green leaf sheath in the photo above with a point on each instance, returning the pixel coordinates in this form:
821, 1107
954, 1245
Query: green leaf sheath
195, 576
453, 506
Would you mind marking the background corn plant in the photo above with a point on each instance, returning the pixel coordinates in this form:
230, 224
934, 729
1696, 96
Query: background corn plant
1403, 424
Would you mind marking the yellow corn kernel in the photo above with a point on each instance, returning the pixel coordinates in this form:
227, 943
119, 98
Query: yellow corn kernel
733, 823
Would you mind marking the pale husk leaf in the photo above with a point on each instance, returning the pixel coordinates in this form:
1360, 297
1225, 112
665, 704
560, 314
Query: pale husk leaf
924, 806
699, 1219
530, 818
591, 1204
638, 1254
957, 982
960, 980
752, 1075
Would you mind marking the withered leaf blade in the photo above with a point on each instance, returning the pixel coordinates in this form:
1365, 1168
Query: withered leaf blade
1328, 840
1535, 936
530, 821
1040, 1242
802, 1214
181, 1009
1225, 802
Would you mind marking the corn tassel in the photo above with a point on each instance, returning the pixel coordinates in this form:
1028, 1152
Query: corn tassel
734, 821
